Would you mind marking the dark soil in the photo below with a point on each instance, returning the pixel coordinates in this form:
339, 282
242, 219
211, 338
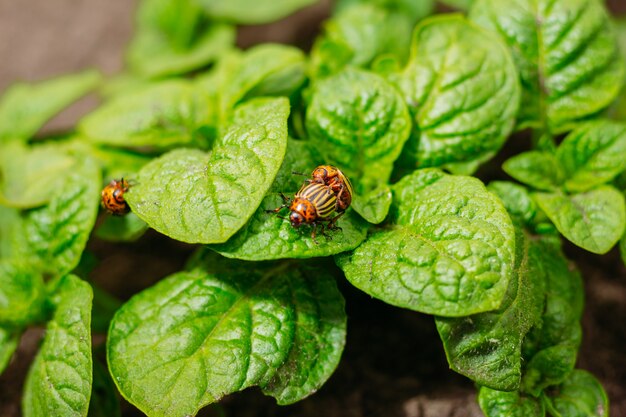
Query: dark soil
393, 364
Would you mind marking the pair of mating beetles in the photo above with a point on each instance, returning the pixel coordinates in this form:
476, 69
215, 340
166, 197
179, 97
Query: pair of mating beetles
327, 192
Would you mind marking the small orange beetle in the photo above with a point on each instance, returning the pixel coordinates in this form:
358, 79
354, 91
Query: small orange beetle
113, 197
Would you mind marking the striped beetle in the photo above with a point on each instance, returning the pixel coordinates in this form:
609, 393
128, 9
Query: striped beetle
313, 204
337, 181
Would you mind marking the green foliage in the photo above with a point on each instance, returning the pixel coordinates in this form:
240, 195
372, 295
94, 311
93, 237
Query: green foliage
461, 87
579, 395
59, 380
174, 37
449, 251
8, 343
566, 54
251, 12
159, 115
487, 347
225, 326
21, 295
25, 108
204, 134
201, 197
587, 212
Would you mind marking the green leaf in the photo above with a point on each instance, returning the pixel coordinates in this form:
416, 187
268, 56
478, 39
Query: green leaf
462, 89
173, 37
103, 402
569, 62
550, 350
540, 170
197, 336
487, 347
374, 205
160, 115
593, 154
200, 197
516, 199
9, 339
449, 250
580, 395
53, 236
414, 10
594, 220
127, 228
151, 55
264, 70
59, 380
247, 12
509, 404
25, 108
267, 237
363, 31
22, 294
359, 123
29, 176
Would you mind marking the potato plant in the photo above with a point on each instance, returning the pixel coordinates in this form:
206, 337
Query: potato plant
410, 104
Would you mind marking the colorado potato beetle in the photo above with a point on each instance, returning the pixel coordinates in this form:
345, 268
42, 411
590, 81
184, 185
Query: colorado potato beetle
113, 197
337, 181
313, 205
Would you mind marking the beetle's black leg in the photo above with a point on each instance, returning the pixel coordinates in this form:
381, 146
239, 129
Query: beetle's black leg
313, 233
332, 222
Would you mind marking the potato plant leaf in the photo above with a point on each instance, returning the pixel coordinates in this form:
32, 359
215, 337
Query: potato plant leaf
121, 229
173, 37
462, 89
517, 200
29, 176
374, 205
594, 220
592, 154
200, 197
197, 336
54, 236
580, 395
246, 12
264, 70
362, 32
60, 378
449, 250
550, 350
487, 347
25, 108
567, 56
359, 123
160, 115
22, 294
509, 404
151, 56
540, 170
9, 339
